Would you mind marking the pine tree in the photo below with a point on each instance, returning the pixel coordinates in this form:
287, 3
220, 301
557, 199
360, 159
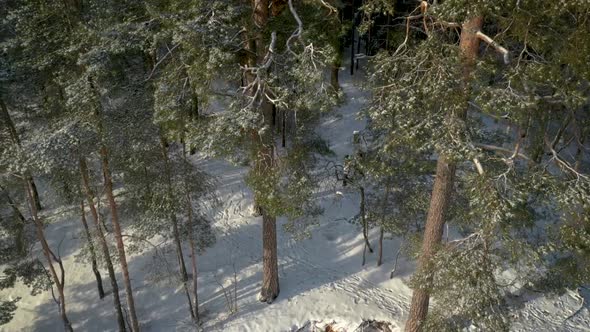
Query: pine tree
245, 129
489, 183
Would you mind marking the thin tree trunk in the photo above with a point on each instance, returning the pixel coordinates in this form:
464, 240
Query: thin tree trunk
19, 237
284, 126
92, 252
334, 81
443, 183
5, 116
35, 193
380, 258
538, 138
108, 184
175, 230
579, 155
381, 230
193, 246
335, 67
103, 243
364, 222
352, 47
358, 50
49, 256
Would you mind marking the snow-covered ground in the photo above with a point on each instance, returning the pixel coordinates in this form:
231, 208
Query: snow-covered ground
321, 278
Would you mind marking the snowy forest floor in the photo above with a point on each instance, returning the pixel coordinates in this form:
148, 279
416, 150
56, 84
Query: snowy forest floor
321, 277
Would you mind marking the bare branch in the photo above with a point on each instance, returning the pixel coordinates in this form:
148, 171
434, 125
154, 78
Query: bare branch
495, 45
329, 6
563, 163
516, 153
170, 50
478, 166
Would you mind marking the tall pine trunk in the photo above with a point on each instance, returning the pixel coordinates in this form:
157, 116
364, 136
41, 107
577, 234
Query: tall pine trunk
265, 160
270, 271
103, 243
264, 163
92, 252
108, 185
59, 281
443, 182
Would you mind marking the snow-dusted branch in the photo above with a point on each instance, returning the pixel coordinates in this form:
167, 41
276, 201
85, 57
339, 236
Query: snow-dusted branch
297, 33
478, 166
485, 38
514, 153
562, 163
423, 15
329, 6
257, 85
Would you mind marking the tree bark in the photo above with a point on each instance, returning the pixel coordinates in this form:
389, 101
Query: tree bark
92, 252
108, 184
50, 257
264, 163
35, 193
380, 258
334, 81
443, 182
265, 160
103, 244
270, 279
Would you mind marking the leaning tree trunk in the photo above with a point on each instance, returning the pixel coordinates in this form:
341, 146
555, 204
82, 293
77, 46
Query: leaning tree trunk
103, 243
108, 184
5, 116
443, 182
59, 281
92, 252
